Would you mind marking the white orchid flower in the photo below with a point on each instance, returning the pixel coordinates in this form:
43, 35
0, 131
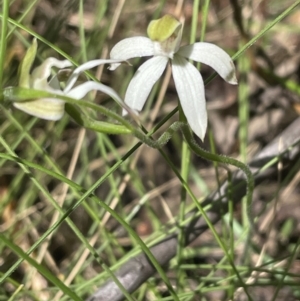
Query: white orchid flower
164, 45
53, 108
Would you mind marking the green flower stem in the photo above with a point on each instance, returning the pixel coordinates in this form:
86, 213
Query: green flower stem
225, 160
95, 125
23, 94
185, 167
3, 39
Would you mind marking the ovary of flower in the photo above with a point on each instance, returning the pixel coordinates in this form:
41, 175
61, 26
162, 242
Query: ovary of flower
164, 45
53, 108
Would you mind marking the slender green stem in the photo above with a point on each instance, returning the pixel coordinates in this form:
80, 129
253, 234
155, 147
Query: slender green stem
194, 21
3, 40
204, 19
185, 165
82, 32
243, 100
95, 125
223, 159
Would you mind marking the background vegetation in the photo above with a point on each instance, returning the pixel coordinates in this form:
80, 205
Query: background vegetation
58, 238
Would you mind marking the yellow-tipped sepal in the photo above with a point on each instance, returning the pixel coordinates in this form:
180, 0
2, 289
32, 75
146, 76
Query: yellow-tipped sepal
161, 29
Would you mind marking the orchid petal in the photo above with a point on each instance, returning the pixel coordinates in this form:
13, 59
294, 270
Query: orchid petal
39, 77
45, 108
130, 48
190, 89
86, 66
81, 90
143, 80
212, 56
